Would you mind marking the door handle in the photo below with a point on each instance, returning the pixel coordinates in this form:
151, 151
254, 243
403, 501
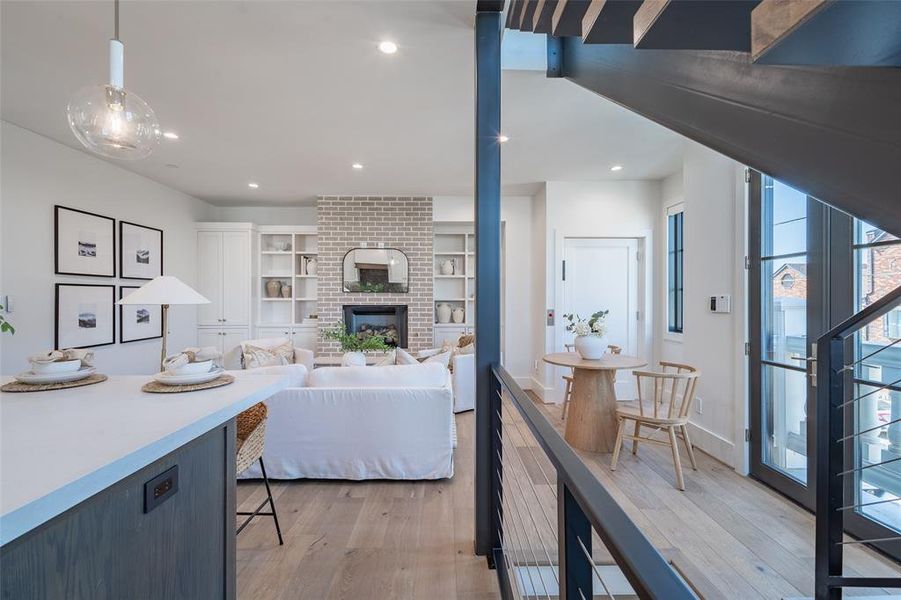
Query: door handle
811, 364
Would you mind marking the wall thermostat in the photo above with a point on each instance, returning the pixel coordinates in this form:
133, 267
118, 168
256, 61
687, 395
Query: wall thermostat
721, 304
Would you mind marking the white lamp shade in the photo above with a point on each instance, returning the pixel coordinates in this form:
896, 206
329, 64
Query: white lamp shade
164, 290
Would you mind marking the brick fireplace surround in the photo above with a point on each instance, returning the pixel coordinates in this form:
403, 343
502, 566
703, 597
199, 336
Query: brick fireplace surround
346, 222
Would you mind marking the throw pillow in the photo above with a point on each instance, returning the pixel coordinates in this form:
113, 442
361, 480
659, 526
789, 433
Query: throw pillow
255, 357
402, 357
442, 359
468, 349
389, 359
466, 340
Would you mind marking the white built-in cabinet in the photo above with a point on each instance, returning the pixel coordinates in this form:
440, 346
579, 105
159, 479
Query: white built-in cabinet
454, 245
224, 252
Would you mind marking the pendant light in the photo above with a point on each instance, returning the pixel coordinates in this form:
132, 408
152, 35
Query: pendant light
110, 121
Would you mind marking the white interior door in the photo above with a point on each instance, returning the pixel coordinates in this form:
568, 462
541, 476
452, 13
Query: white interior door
603, 274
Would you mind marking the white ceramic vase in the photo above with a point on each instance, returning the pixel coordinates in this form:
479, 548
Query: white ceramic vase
591, 347
443, 312
353, 359
457, 314
447, 267
311, 266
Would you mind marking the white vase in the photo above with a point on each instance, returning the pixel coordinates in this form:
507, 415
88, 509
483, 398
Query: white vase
311, 266
444, 313
353, 359
447, 267
591, 347
458, 315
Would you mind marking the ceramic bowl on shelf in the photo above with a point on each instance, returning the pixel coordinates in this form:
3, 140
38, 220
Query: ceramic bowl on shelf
52, 368
193, 368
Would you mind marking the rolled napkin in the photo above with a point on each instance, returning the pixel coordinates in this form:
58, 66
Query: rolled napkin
191, 355
85, 356
205, 353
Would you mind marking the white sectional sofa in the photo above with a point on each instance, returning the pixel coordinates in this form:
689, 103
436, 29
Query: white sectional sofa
392, 422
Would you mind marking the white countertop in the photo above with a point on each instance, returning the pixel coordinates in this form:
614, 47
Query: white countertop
60, 447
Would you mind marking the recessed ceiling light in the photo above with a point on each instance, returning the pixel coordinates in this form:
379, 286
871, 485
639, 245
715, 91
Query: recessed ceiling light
502, 138
171, 166
253, 185
616, 168
170, 135
388, 47
357, 166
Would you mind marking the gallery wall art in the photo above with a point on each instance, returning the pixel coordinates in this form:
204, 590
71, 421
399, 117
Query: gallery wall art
138, 321
85, 243
140, 251
85, 317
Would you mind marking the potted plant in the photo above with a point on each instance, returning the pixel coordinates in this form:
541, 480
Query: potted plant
591, 334
6, 326
353, 345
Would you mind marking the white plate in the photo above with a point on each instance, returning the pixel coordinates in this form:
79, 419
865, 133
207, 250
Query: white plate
170, 379
44, 378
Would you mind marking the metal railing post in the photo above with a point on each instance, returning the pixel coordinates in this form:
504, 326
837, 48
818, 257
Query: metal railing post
575, 568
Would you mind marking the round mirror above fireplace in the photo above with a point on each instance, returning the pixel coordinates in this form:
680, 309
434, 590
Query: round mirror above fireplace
376, 270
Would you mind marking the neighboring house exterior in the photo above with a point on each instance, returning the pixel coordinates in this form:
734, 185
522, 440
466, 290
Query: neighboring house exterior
880, 273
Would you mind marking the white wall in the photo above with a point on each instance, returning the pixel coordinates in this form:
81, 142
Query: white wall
590, 209
516, 214
38, 173
265, 215
711, 187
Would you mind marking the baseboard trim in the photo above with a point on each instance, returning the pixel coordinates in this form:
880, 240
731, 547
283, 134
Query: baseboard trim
712, 443
523, 382
541, 391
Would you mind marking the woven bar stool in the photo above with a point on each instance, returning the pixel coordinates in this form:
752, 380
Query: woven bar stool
251, 438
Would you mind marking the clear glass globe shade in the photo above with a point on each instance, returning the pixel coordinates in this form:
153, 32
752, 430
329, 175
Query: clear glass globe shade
113, 122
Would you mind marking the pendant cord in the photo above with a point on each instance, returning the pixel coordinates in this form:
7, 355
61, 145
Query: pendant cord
116, 13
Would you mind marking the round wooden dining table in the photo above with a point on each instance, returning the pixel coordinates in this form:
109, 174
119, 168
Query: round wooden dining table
591, 418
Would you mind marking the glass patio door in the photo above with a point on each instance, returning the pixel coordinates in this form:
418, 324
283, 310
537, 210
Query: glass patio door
788, 231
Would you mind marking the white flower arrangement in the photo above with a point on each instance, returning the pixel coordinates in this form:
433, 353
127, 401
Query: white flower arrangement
595, 325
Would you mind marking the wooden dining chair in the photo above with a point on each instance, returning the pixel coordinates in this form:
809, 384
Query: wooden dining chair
568, 379
668, 409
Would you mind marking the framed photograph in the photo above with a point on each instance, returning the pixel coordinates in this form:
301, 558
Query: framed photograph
140, 251
84, 243
138, 322
84, 315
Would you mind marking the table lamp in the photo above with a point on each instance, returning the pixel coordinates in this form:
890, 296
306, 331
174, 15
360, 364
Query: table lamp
164, 290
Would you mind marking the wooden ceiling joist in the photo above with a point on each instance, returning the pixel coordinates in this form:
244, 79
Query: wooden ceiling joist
609, 21
827, 32
513, 14
694, 24
567, 19
528, 11
544, 14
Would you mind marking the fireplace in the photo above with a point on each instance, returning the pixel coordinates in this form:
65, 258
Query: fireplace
386, 320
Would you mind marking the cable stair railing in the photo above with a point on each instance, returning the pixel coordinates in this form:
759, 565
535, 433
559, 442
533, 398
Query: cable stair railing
842, 391
561, 533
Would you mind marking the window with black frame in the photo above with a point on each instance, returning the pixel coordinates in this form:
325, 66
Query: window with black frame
877, 489
675, 251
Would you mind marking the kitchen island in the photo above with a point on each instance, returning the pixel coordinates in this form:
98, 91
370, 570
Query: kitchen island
110, 492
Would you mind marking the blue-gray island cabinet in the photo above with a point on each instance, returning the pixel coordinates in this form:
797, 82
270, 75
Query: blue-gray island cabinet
112, 494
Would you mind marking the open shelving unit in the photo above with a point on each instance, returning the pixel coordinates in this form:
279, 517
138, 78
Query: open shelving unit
287, 255
454, 272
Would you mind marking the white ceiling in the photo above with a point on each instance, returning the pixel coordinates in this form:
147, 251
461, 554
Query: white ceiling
290, 94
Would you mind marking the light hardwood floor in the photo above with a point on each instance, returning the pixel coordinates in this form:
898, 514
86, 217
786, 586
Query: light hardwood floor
367, 540
730, 536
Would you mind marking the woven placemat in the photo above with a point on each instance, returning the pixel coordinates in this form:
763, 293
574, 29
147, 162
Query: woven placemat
154, 387
18, 386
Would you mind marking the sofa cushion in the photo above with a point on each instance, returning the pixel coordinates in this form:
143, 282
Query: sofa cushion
402, 357
255, 357
397, 376
442, 359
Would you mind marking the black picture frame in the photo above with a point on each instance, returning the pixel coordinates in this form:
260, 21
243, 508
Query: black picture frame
112, 304
58, 268
157, 309
127, 273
